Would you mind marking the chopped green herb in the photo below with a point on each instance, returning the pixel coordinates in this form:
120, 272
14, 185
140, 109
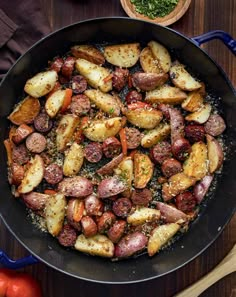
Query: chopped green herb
154, 8
111, 110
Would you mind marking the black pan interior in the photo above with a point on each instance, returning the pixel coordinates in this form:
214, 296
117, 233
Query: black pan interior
221, 204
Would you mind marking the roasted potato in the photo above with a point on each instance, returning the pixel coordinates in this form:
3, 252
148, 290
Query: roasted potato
142, 215
215, 153
33, 175
193, 102
99, 130
161, 54
166, 94
144, 118
94, 74
122, 55
160, 236
182, 79
148, 81
55, 213
176, 184
41, 84
148, 63
104, 101
143, 170
152, 137
65, 130
55, 102
196, 165
98, 245
74, 159
89, 53
76, 186
200, 116
25, 112
171, 214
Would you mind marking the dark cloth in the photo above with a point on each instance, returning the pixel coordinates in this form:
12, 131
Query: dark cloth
22, 23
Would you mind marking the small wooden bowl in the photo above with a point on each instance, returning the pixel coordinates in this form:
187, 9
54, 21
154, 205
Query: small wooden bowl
169, 19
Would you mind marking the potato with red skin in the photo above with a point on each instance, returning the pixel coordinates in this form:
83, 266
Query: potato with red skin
111, 186
16, 174
215, 125
35, 200
171, 214
76, 186
130, 244
93, 205
202, 187
108, 168
133, 96
148, 81
215, 153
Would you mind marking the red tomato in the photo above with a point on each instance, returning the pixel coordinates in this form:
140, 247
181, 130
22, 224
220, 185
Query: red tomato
5, 276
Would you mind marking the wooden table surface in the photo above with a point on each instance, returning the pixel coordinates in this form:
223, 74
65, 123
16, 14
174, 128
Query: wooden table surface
201, 17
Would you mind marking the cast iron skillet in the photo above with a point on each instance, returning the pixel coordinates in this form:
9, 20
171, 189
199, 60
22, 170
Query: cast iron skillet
213, 218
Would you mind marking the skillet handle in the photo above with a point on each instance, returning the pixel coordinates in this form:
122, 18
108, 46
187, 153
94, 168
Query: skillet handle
16, 264
217, 34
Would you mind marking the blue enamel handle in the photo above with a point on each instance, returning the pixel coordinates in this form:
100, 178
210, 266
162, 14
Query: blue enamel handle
217, 34
16, 264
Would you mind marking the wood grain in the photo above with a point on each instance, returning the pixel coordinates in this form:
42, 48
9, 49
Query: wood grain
202, 16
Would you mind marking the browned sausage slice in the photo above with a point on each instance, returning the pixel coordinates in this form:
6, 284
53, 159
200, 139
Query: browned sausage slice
164, 108
93, 152
36, 143
181, 148
106, 221
133, 96
67, 236
16, 174
42, 122
133, 137
176, 124
148, 81
215, 125
122, 207
89, 227
116, 231
160, 152
195, 133
78, 84
68, 67
20, 154
80, 105
141, 196
119, 78
111, 147
170, 167
57, 64
186, 201
53, 174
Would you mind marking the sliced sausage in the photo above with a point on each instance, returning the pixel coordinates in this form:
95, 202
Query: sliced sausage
93, 205
35, 200
185, 201
141, 196
111, 186
176, 124
20, 154
148, 81
78, 84
119, 78
68, 67
57, 64
21, 133
171, 214
93, 152
53, 174
105, 222
68, 235
133, 137
111, 147
160, 152
108, 168
36, 143
181, 148
16, 174
43, 122
80, 105
130, 244
133, 96
194, 133
116, 231
122, 207
164, 108
170, 167
215, 125
76, 186
89, 227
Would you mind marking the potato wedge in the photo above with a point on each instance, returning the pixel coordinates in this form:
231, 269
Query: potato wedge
55, 213
182, 79
166, 94
200, 116
41, 84
122, 55
98, 245
160, 236
176, 184
25, 112
144, 118
55, 102
74, 159
33, 176
99, 130
143, 215
94, 74
89, 53
171, 214
126, 170
196, 164
152, 137
161, 54
104, 101
193, 102
215, 153
143, 170
148, 63
65, 130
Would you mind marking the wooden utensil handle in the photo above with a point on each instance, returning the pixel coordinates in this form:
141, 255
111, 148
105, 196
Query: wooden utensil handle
225, 267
